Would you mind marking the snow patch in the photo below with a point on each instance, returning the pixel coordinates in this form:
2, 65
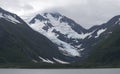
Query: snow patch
46, 60
99, 32
82, 49
60, 61
89, 36
35, 61
9, 18
118, 22
69, 52
79, 46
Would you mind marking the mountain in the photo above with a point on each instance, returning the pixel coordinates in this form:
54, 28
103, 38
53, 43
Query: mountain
103, 31
106, 54
53, 38
20, 44
71, 38
63, 31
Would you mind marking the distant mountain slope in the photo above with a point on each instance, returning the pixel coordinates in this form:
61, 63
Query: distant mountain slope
58, 39
20, 44
71, 38
61, 30
101, 32
107, 52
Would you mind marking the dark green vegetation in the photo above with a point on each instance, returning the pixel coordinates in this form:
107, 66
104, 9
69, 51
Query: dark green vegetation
107, 52
16, 41
20, 44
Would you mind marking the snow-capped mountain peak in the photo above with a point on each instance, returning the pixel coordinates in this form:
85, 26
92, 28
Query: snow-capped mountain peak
71, 38
53, 14
58, 27
38, 17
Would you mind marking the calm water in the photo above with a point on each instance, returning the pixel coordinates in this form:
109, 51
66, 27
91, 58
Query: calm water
59, 71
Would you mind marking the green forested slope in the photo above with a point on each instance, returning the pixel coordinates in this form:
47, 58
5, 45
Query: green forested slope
107, 52
20, 44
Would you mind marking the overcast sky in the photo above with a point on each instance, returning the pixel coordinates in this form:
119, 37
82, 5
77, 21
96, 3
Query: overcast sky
85, 12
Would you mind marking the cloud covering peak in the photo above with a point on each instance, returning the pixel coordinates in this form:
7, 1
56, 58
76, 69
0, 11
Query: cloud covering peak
85, 12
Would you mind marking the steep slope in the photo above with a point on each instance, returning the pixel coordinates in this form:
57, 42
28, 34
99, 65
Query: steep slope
106, 52
20, 44
100, 32
71, 38
97, 46
63, 31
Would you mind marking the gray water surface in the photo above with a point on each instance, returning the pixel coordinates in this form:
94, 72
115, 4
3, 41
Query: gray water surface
59, 71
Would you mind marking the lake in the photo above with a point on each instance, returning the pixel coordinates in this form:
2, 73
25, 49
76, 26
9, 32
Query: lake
59, 71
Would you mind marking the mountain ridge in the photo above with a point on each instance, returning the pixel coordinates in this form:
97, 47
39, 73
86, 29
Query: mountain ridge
54, 38
20, 37
86, 38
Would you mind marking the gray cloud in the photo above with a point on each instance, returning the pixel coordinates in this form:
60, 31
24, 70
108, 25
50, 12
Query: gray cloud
16, 6
93, 12
85, 12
